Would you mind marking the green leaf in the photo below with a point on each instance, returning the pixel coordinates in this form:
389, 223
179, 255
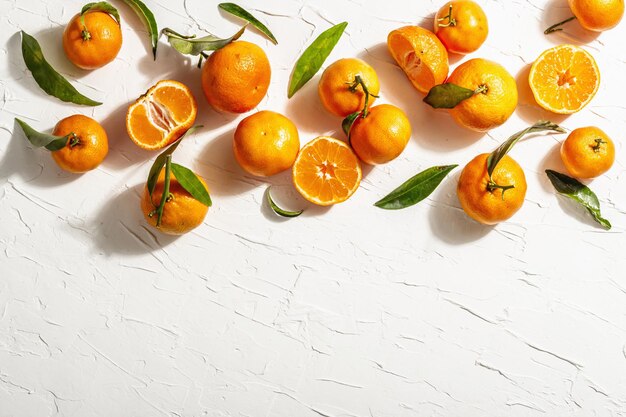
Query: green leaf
314, 56
101, 6
190, 182
48, 79
498, 154
38, 139
447, 96
190, 45
159, 162
579, 192
240, 12
149, 21
346, 124
278, 210
415, 189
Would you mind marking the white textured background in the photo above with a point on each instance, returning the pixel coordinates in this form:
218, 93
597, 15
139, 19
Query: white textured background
349, 311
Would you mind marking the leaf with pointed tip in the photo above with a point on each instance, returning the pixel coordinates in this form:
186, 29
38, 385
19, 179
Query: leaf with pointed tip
101, 6
190, 182
346, 124
447, 96
240, 12
190, 45
149, 21
579, 192
39, 139
281, 212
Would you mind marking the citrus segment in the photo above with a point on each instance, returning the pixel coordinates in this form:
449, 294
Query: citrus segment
326, 171
564, 79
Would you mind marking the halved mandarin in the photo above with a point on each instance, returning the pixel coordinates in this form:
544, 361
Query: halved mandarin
326, 171
564, 79
161, 115
421, 55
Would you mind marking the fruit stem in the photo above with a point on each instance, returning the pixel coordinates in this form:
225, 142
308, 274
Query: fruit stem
74, 140
451, 20
482, 89
557, 26
598, 145
492, 186
165, 197
353, 86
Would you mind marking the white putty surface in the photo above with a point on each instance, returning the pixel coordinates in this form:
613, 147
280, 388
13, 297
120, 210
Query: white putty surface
351, 311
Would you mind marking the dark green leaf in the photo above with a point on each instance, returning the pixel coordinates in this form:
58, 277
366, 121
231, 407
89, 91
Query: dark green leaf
415, 189
190, 45
159, 162
48, 79
347, 123
38, 139
314, 56
149, 21
190, 182
498, 154
238, 11
579, 192
101, 6
278, 210
447, 96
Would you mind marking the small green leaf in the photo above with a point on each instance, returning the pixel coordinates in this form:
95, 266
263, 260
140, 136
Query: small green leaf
101, 6
38, 139
159, 162
46, 77
240, 12
149, 21
278, 210
190, 182
579, 192
346, 124
415, 189
190, 45
498, 154
447, 96
314, 56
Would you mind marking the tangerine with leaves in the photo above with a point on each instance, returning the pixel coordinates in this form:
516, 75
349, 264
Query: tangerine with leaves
594, 15
588, 152
462, 26
235, 78
87, 144
93, 38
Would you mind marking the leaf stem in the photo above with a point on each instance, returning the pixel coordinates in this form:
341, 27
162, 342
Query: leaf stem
165, 197
557, 26
451, 20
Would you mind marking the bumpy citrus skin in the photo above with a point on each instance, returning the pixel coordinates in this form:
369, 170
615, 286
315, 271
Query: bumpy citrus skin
491, 207
588, 152
266, 143
86, 149
489, 109
101, 48
598, 15
334, 86
469, 29
181, 213
236, 77
381, 136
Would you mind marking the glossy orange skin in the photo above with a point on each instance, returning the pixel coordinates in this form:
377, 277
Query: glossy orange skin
598, 15
181, 214
583, 156
101, 48
334, 86
236, 77
491, 207
467, 28
90, 149
381, 136
266, 143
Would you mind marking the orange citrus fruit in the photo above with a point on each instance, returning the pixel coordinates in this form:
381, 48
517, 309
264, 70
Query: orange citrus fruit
461, 25
96, 43
381, 135
326, 171
87, 145
564, 79
161, 115
495, 102
340, 94
598, 15
236, 77
588, 152
420, 54
478, 197
266, 143
181, 212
